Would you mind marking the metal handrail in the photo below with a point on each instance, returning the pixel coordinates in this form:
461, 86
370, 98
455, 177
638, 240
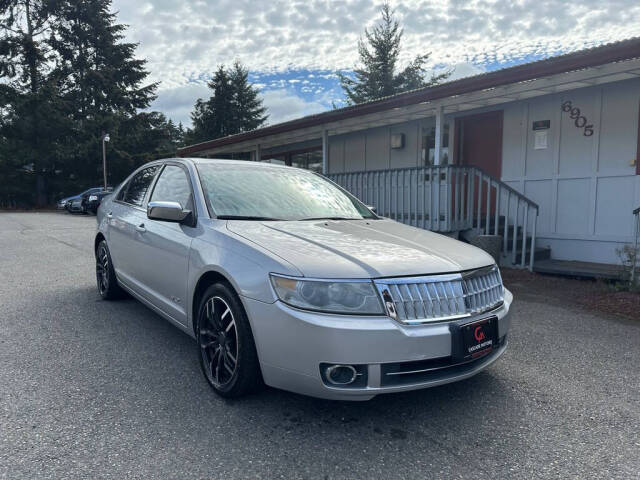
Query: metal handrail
448, 198
636, 234
510, 189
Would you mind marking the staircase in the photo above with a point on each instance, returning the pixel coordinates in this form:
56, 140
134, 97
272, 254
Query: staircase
462, 201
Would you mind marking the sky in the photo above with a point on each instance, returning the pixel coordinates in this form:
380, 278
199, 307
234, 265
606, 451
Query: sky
294, 48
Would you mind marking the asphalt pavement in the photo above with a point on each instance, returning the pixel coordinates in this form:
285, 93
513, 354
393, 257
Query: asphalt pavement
95, 389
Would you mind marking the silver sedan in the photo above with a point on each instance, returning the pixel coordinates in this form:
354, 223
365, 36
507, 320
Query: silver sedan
285, 279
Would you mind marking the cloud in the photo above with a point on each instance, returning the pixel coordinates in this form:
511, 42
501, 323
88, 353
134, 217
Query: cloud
286, 105
461, 70
180, 38
183, 40
177, 102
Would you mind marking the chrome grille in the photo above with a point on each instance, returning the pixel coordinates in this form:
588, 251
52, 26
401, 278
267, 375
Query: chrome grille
435, 298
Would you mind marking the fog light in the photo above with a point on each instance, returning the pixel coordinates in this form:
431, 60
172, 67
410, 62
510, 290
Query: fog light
341, 374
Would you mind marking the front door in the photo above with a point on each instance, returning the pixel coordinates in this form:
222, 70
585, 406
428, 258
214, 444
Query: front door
479, 144
162, 248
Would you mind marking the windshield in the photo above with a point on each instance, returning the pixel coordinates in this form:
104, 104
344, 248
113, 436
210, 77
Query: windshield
255, 192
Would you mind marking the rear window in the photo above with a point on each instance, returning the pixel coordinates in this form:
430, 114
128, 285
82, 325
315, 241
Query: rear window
135, 191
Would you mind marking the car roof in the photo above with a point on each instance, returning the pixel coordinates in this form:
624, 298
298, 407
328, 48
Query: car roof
253, 164
216, 161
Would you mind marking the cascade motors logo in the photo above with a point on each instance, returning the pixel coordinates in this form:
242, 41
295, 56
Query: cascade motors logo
484, 344
478, 333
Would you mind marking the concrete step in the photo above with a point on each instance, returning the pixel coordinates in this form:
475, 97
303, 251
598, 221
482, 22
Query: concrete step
539, 254
571, 268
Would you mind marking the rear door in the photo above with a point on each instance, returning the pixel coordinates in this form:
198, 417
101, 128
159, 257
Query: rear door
125, 217
162, 249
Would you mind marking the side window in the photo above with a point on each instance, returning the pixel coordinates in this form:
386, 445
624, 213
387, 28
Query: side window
173, 186
122, 191
138, 186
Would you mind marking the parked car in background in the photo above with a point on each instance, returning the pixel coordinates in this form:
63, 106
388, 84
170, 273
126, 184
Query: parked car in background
91, 201
76, 206
284, 277
65, 203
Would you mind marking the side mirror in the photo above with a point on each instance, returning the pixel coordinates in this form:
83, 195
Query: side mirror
372, 208
167, 211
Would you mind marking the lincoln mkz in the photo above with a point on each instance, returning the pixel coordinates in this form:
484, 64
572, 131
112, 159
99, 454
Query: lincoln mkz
283, 278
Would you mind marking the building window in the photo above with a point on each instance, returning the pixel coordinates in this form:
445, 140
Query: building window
429, 145
276, 160
308, 160
311, 160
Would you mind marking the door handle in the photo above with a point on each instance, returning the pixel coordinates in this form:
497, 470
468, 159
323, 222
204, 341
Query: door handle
140, 228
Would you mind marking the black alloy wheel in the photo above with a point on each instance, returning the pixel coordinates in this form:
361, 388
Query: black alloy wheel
226, 347
106, 280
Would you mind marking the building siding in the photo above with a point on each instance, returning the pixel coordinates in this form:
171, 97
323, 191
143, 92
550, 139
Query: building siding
586, 186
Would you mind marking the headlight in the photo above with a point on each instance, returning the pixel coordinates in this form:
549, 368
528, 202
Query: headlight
328, 295
93, 198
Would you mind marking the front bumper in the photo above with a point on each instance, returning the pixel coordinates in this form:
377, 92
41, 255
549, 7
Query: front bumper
292, 344
76, 208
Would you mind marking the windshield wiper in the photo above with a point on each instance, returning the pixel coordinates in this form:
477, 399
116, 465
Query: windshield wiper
330, 218
244, 217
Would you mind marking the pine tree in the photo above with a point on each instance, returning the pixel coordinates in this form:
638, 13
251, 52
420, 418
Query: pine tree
31, 123
103, 88
378, 76
248, 111
234, 107
212, 118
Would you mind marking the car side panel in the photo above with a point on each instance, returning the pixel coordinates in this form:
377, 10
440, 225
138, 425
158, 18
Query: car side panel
246, 267
161, 265
122, 238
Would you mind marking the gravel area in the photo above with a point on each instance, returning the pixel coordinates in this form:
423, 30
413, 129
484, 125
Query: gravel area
94, 389
586, 294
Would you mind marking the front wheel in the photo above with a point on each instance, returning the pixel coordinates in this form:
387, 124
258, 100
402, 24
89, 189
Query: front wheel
226, 348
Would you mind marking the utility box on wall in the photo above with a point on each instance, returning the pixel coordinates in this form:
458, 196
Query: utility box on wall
397, 140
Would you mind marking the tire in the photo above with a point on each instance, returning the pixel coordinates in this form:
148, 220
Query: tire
108, 287
218, 331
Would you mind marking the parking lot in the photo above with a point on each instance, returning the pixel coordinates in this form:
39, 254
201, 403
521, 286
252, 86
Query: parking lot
98, 389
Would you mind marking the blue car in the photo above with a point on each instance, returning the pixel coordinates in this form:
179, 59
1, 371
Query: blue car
65, 203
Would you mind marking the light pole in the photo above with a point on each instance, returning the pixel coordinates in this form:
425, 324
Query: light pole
105, 138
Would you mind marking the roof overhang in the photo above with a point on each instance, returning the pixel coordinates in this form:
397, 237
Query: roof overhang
606, 64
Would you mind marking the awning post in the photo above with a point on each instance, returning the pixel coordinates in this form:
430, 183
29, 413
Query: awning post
325, 151
439, 130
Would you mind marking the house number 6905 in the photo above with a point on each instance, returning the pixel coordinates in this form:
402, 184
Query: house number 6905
580, 121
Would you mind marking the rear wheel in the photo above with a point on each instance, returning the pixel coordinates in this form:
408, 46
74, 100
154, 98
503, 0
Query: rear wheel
226, 347
105, 274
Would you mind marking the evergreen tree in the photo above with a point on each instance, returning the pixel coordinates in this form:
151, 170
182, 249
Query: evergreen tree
67, 77
212, 118
175, 136
234, 107
102, 85
31, 120
378, 76
248, 112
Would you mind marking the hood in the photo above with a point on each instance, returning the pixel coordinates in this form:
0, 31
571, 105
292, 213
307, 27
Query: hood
361, 248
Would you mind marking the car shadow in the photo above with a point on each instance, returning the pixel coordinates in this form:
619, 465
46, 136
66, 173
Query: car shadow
143, 371
141, 335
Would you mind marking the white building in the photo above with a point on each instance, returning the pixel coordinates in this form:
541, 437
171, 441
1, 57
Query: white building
555, 140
